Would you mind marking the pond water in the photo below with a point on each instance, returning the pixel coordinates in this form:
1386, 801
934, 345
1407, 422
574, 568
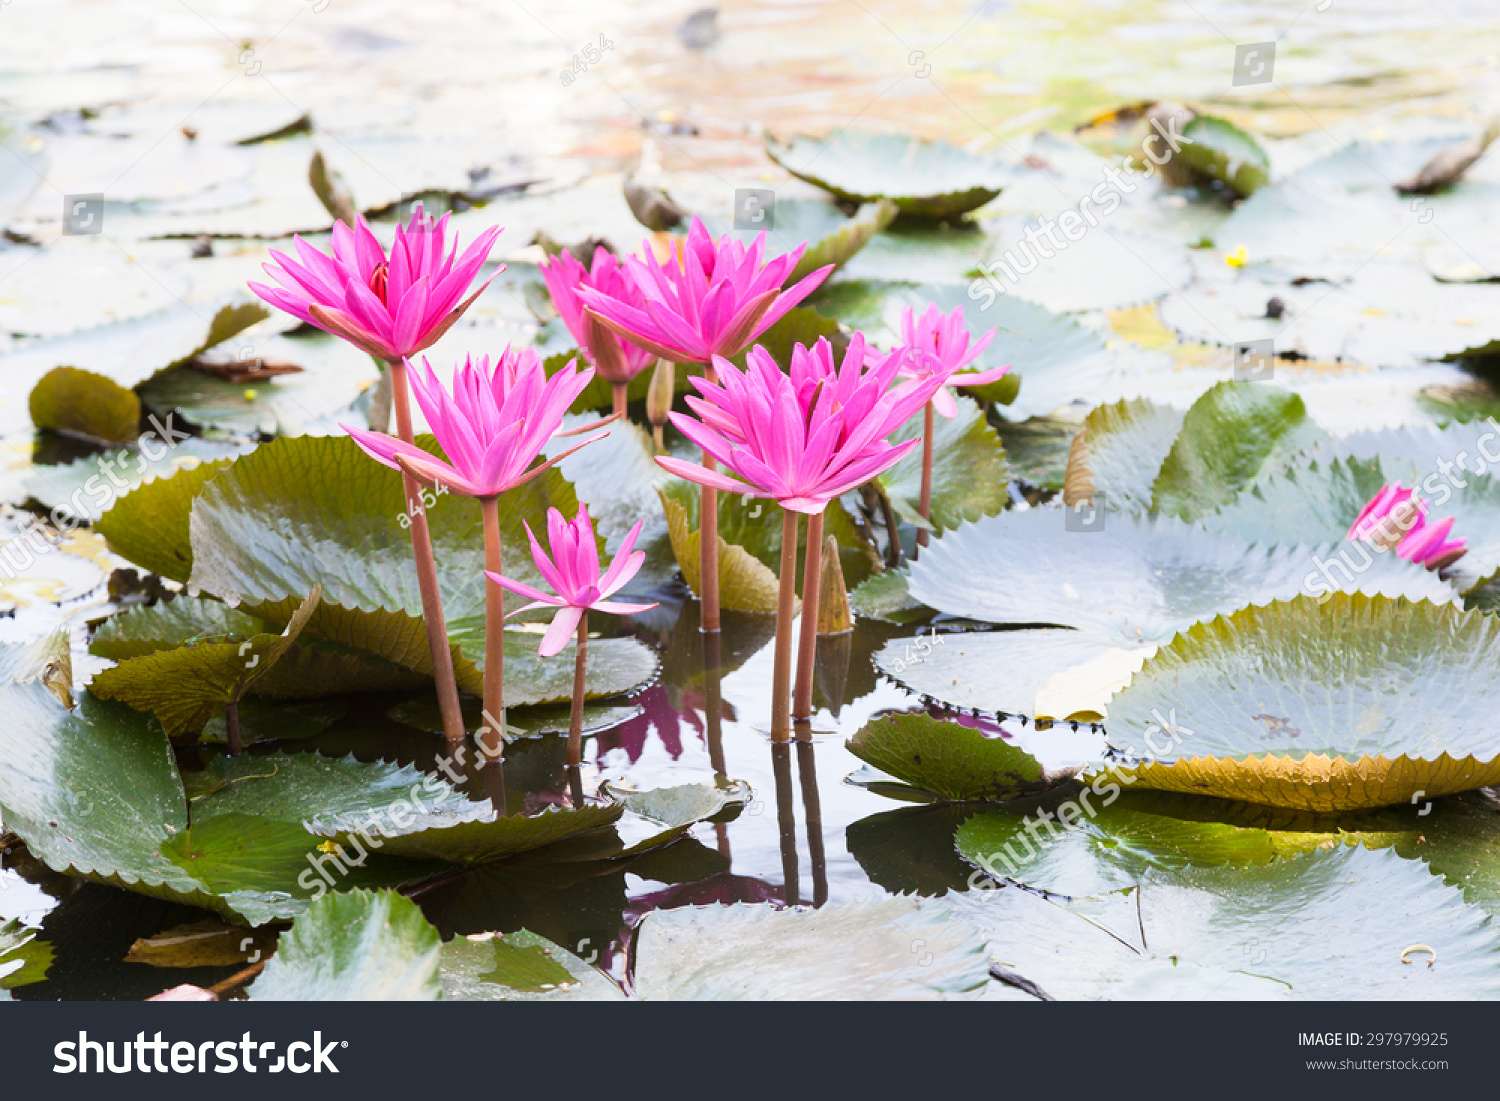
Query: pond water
443, 99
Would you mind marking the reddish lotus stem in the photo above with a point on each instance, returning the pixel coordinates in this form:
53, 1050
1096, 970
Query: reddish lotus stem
924, 506
708, 543
812, 572
781, 676
494, 635
708, 554
575, 715
427, 582
620, 395
232, 728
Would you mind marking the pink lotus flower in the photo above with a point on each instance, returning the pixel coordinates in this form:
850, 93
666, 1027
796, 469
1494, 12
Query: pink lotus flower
391, 307
1394, 519
938, 343
573, 573
713, 301
494, 423
616, 360
803, 440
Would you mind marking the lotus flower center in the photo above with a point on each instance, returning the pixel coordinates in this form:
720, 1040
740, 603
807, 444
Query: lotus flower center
377, 281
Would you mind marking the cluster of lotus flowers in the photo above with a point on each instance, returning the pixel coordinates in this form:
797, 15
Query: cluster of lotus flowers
802, 433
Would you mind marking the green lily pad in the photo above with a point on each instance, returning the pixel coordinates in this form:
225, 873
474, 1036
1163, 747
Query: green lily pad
1037, 449
1118, 451
889, 949
1234, 435
187, 685
1329, 706
1325, 925
81, 403
1137, 582
1221, 151
929, 179
517, 967
970, 478
149, 525
953, 762
361, 946
468, 840
318, 507
24, 959
661, 815
886, 597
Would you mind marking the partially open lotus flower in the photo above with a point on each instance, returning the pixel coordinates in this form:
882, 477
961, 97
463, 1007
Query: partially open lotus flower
572, 572
496, 419
390, 306
937, 343
713, 298
1396, 520
616, 360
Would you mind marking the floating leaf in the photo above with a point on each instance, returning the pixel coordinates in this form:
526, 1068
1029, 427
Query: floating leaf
1045, 673
1220, 150
88, 487
149, 525
953, 762
1117, 453
1136, 582
888, 948
519, 966
187, 685
207, 943
24, 959
1234, 435
471, 841
84, 404
886, 597
1328, 924
361, 946
930, 179
1325, 706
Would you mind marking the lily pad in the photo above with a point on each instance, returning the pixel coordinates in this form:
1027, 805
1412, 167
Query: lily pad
88, 487
1234, 435
24, 958
81, 403
1135, 583
478, 841
930, 179
970, 478
185, 686
1221, 151
1117, 452
887, 597
1325, 706
1046, 673
361, 946
518, 967
318, 507
875, 949
149, 525
1325, 925
953, 762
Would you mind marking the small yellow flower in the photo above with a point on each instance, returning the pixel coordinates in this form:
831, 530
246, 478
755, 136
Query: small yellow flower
328, 847
250, 394
1236, 259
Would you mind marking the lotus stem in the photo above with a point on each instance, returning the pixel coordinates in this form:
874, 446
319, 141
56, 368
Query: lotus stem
493, 728
232, 727
708, 554
807, 644
781, 677
924, 505
575, 715
427, 582
658, 439
619, 391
